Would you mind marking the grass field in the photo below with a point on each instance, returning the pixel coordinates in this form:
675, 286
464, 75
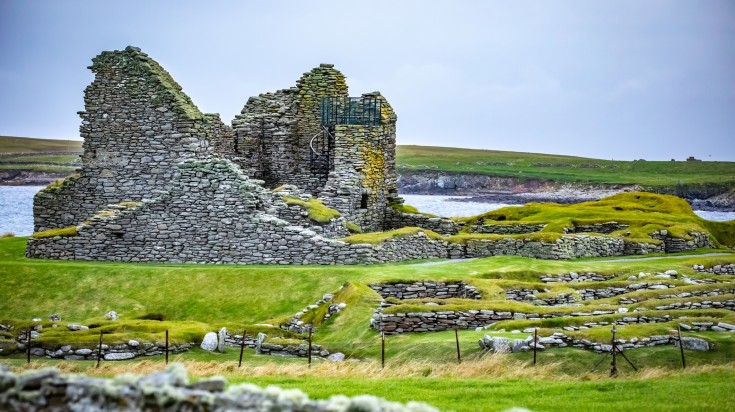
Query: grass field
13, 144
194, 299
653, 175
564, 168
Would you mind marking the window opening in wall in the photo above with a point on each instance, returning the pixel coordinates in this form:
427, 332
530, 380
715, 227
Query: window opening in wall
364, 201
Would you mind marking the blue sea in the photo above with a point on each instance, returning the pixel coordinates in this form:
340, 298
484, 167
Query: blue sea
16, 208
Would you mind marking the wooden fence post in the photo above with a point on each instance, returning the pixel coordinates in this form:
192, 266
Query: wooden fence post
166, 346
99, 351
456, 338
382, 350
28, 346
242, 348
681, 348
311, 334
535, 344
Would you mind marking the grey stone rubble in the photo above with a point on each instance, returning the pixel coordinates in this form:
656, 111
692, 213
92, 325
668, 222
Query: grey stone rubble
262, 347
112, 352
705, 304
161, 181
574, 277
296, 325
434, 319
426, 289
530, 295
560, 340
170, 390
693, 293
728, 269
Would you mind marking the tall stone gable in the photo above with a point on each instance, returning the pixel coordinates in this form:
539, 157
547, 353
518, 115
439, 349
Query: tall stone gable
137, 126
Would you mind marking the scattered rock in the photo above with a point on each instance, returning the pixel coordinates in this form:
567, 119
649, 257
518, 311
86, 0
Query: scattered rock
336, 357
76, 327
55, 317
119, 356
221, 341
694, 344
209, 342
112, 315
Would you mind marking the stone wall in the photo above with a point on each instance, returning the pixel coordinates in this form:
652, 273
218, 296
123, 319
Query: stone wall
396, 220
728, 269
213, 213
607, 227
506, 229
574, 277
137, 125
426, 289
169, 390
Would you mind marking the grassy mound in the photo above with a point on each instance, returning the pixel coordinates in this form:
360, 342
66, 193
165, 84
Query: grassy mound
375, 238
318, 212
642, 212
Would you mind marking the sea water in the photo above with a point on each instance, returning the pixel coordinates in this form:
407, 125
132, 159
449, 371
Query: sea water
16, 208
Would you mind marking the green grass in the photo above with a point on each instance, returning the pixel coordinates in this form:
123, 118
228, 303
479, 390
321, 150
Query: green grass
687, 392
652, 174
317, 211
194, 299
40, 167
643, 212
13, 144
63, 232
40, 158
375, 238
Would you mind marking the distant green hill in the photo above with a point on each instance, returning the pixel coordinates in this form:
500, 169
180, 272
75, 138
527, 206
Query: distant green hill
12, 144
558, 168
564, 168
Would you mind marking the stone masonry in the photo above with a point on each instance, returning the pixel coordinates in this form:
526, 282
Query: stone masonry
137, 126
160, 181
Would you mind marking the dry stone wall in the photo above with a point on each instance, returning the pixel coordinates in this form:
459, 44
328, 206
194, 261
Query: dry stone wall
396, 220
137, 125
169, 390
426, 289
728, 269
213, 213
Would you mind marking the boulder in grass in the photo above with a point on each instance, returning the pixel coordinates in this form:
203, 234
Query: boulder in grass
209, 342
221, 340
694, 344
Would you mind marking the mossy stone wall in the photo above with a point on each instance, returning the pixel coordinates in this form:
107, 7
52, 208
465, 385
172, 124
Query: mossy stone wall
137, 125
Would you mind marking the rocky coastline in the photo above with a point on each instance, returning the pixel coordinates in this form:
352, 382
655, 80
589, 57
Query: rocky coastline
513, 191
483, 189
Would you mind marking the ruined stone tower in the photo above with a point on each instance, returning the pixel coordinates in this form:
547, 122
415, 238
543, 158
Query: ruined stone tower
335, 147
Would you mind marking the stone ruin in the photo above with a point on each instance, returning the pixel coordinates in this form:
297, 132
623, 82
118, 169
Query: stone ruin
162, 181
298, 171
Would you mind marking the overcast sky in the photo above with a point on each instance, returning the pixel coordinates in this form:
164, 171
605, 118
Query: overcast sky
606, 79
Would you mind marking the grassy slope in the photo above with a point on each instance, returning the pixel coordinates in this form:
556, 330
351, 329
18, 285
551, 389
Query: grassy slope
565, 169
12, 144
489, 162
420, 366
234, 296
